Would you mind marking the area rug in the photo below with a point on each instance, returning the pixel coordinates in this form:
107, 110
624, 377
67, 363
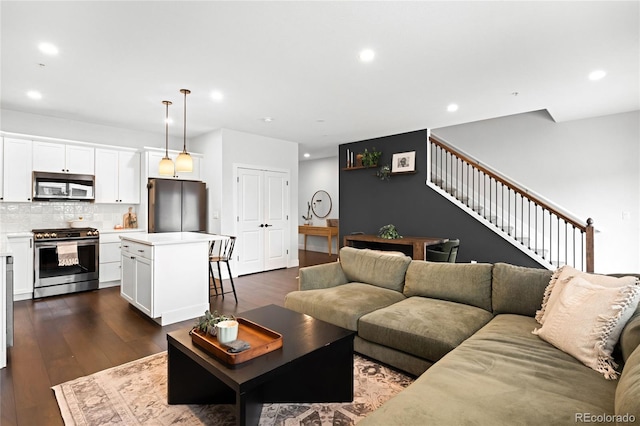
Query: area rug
136, 394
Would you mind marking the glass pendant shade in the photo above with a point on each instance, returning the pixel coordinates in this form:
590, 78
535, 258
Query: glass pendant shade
165, 168
184, 162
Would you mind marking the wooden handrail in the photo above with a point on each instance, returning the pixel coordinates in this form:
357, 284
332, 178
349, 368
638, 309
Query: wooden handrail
508, 184
587, 228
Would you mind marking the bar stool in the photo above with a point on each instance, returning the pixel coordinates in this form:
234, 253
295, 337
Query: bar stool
221, 251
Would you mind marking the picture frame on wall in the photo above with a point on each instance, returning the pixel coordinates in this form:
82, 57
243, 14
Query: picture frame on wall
403, 162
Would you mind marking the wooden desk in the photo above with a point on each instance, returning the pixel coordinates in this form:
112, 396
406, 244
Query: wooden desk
411, 246
321, 231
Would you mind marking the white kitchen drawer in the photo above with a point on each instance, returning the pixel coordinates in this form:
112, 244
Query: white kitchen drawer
109, 272
110, 252
137, 249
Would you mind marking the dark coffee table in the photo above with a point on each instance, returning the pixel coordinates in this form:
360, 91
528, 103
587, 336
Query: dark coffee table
315, 364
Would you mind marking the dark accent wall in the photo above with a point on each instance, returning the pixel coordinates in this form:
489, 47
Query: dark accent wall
368, 203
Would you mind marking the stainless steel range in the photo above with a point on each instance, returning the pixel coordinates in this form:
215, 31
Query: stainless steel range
65, 260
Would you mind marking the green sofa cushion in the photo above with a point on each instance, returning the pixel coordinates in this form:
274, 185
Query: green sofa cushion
518, 290
456, 282
502, 375
374, 267
342, 305
628, 390
427, 328
630, 336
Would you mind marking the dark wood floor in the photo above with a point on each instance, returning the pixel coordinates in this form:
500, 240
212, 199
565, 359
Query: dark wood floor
61, 338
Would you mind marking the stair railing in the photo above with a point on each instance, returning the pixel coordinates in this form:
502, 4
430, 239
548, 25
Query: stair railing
543, 229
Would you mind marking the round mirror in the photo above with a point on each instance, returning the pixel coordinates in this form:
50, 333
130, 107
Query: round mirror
321, 204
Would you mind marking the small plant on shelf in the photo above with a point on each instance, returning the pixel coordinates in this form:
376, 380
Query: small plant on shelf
370, 158
389, 232
207, 323
384, 173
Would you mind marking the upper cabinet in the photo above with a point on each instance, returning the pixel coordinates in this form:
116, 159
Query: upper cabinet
16, 181
60, 158
117, 176
153, 160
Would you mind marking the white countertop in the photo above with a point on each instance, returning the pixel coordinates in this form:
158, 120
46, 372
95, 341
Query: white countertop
120, 231
168, 238
5, 246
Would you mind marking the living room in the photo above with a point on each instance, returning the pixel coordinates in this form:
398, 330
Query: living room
519, 75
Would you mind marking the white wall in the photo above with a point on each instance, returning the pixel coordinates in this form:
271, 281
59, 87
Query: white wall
52, 127
590, 168
223, 150
315, 175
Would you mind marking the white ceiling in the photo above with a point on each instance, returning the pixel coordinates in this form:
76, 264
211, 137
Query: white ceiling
298, 63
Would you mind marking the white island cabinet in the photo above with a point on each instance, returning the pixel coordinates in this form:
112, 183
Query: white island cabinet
166, 275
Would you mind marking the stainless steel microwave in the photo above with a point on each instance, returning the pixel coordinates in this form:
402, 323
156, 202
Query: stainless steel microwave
63, 186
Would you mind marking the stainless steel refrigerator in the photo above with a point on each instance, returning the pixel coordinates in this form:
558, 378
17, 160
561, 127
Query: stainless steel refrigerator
177, 205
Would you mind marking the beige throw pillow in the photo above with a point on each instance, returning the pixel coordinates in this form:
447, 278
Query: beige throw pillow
563, 274
586, 321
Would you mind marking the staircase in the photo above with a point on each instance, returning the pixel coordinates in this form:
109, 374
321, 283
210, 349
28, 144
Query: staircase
547, 234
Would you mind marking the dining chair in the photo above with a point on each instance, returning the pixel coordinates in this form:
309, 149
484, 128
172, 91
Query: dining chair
221, 251
446, 252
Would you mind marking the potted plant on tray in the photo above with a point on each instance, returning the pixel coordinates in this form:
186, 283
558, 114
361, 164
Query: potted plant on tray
207, 323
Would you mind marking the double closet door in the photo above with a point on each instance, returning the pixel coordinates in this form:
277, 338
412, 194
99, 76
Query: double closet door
263, 220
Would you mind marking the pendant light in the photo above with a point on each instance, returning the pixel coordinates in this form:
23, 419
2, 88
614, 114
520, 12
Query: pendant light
184, 162
166, 165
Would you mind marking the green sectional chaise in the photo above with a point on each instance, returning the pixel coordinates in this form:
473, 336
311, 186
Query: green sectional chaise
466, 331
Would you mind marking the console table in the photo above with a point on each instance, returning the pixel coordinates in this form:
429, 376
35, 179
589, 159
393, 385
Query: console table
411, 246
321, 231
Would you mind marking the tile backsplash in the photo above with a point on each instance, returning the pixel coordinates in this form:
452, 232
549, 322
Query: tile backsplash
21, 217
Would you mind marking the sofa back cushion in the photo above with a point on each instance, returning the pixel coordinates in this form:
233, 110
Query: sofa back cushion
630, 336
374, 267
627, 401
468, 283
518, 290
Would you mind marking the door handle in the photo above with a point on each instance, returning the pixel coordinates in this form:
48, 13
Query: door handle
266, 225
261, 225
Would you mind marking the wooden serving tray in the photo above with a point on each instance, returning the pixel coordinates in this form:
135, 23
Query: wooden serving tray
261, 339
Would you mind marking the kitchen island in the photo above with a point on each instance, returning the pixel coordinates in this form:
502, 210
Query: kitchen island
5, 322
166, 275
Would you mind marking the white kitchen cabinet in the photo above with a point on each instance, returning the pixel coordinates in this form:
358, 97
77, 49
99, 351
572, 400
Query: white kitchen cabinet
17, 169
137, 276
153, 161
110, 258
166, 275
1, 168
61, 158
3, 311
21, 246
117, 176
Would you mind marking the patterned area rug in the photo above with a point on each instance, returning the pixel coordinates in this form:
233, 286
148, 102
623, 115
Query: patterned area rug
136, 394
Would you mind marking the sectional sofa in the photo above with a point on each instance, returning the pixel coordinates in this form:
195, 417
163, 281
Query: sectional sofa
466, 331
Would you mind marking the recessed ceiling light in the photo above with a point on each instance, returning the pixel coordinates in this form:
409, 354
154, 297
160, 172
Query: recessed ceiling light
217, 96
597, 75
452, 107
34, 94
307, 155
48, 49
267, 119
367, 55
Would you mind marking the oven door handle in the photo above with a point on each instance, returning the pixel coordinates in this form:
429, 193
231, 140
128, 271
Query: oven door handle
40, 245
